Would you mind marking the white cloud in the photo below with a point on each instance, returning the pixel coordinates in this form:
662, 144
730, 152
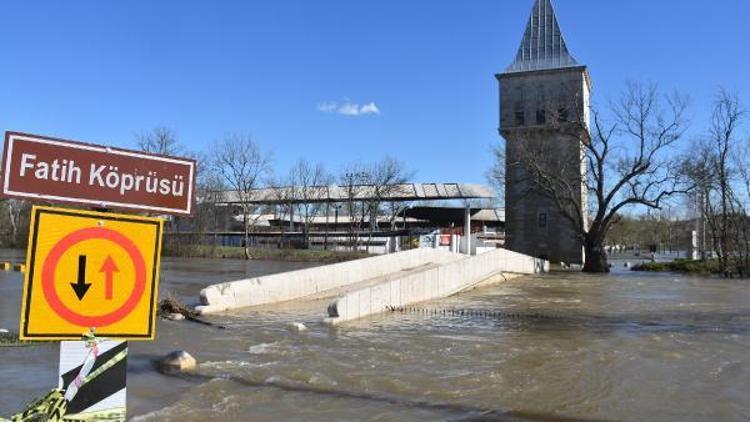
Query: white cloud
369, 108
327, 106
348, 108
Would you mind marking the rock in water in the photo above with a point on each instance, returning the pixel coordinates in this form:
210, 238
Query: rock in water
297, 326
177, 361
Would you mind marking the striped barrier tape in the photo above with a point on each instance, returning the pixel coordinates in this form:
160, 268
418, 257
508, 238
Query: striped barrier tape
110, 363
51, 408
88, 363
113, 415
7, 266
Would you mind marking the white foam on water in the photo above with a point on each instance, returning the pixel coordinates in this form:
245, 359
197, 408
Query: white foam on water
263, 348
230, 365
187, 405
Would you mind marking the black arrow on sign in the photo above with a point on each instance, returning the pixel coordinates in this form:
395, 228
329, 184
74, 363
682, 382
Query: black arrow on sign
81, 287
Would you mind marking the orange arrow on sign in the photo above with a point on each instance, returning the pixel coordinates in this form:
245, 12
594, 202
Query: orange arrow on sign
108, 268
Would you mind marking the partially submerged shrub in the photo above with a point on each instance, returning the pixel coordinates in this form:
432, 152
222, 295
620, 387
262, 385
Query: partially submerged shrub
11, 339
687, 266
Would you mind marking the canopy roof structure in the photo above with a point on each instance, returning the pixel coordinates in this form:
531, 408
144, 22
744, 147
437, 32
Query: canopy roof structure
320, 194
445, 216
543, 46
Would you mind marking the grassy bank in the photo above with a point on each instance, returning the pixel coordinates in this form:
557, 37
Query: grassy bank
12, 340
686, 266
232, 252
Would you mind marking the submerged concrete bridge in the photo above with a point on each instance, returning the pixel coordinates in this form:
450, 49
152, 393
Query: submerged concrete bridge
373, 285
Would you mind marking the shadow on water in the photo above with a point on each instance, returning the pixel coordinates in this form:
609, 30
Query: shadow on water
470, 413
685, 322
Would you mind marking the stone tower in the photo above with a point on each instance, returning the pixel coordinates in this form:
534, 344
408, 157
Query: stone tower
544, 98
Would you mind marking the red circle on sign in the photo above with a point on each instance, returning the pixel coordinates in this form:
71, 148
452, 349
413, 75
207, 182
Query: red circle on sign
53, 258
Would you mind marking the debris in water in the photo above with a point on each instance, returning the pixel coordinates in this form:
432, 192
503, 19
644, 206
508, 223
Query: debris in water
297, 326
170, 307
175, 317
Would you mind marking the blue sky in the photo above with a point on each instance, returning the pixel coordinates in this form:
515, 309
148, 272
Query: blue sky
100, 71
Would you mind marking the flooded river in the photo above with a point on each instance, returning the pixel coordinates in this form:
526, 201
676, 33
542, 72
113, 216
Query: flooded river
564, 346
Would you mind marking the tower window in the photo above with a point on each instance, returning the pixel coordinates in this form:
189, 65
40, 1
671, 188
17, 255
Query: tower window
541, 116
520, 118
541, 112
563, 104
542, 220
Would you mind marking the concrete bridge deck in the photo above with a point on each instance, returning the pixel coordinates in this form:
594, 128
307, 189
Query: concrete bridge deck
324, 281
432, 283
372, 285
343, 290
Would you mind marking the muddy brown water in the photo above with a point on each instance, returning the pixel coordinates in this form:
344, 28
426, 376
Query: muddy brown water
563, 346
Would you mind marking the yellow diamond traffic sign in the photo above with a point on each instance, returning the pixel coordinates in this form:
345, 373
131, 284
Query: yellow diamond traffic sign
88, 269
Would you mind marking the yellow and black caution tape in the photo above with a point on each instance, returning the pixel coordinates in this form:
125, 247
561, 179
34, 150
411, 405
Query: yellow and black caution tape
109, 415
51, 408
110, 363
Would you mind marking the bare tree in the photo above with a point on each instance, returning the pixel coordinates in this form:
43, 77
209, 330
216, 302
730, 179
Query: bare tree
17, 216
309, 183
242, 164
698, 167
355, 180
368, 187
388, 178
726, 117
717, 165
742, 201
210, 191
160, 140
496, 174
282, 194
626, 162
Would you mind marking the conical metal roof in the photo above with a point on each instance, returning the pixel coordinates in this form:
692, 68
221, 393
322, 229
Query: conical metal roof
543, 45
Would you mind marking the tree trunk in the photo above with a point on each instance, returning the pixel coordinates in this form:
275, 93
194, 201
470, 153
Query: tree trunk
247, 234
596, 257
325, 236
216, 224
13, 224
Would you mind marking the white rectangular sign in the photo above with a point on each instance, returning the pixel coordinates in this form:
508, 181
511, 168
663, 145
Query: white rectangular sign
100, 389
